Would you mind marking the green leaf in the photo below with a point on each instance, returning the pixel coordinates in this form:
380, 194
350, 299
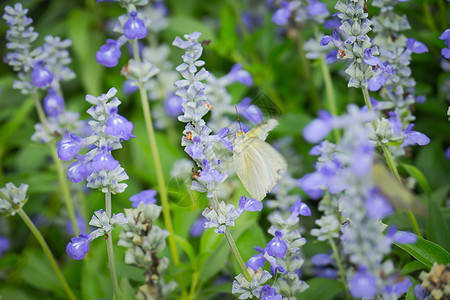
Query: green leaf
126, 289
426, 252
38, 272
410, 294
412, 266
322, 288
187, 248
436, 226
417, 175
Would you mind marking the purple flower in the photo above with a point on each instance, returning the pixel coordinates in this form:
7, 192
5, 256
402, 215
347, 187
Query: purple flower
414, 137
445, 36
312, 184
146, 197
104, 160
363, 284
249, 204
109, 54
377, 206
269, 293
240, 75
300, 208
129, 87
330, 273
41, 76
277, 247
282, 15
415, 46
195, 150
447, 153
5, 245
331, 57
258, 260
249, 111
222, 137
401, 237
117, 125
274, 266
134, 27
318, 128
68, 146
79, 246
335, 39
322, 259
316, 8
419, 291
210, 174
400, 285
197, 227
79, 169
172, 105
53, 103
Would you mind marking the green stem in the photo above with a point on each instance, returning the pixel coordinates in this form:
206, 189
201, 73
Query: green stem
47, 252
391, 163
233, 246
59, 167
341, 269
157, 162
307, 73
330, 94
110, 249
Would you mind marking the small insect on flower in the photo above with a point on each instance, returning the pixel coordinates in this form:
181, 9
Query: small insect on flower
205, 42
341, 53
195, 174
257, 163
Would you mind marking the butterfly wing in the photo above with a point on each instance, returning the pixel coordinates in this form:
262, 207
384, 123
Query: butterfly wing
262, 130
258, 166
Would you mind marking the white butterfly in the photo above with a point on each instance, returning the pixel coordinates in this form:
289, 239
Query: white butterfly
257, 163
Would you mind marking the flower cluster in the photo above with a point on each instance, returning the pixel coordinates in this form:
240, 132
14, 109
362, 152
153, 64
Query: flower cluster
132, 26
108, 130
78, 247
12, 198
144, 241
300, 11
344, 172
283, 252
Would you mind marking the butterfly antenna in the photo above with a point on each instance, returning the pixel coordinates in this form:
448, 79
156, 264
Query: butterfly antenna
235, 107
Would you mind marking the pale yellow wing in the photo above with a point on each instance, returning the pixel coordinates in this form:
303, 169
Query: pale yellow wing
258, 166
262, 130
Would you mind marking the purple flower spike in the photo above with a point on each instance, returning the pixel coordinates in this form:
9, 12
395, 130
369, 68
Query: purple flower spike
249, 204
277, 247
210, 174
172, 105
134, 27
109, 54
117, 125
68, 146
269, 293
104, 160
363, 284
79, 246
41, 76
146, 197
53, 103
5, 244
258, 260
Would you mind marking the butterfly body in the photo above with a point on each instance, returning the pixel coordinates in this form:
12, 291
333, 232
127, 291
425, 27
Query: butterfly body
257, 163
